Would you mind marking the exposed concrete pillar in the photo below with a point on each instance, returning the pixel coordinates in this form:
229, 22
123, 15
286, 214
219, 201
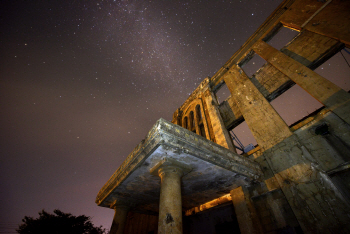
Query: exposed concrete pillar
170, 202
265, 123
222, 136
245, 213
329, 94
119, 219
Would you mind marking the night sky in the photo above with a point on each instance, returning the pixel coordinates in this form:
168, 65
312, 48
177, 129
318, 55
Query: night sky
82, 82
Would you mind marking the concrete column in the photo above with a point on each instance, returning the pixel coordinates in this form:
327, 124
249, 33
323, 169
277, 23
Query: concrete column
262, 119
170, 203
329, 94
119, 219
248, 221
222, 136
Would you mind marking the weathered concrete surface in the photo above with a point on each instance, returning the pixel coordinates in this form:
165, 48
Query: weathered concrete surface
331, 20
304, 180
324, 149
265, 123
246, 215
222, 136
231, 115
327, 137
270, 81
209, 122
316, 202
216, 170
271, 209
299, 12
311, 49
308, 48
329, 94
337, 23
170, 203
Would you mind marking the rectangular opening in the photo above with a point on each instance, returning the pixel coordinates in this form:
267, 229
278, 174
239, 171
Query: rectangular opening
280, 36
223, 93
200, 121
242, 137
337, 69
251, 64
295, 104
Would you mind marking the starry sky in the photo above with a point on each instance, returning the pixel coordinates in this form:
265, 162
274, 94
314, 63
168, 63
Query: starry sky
82, 82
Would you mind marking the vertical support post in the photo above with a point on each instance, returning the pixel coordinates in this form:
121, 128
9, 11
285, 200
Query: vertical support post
119, 219
265, 123
170, 202
329, 94
248, 223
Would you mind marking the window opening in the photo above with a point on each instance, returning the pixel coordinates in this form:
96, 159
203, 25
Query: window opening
199, 113
200, 121
185, 122
337, 70
281, 37
202, 130
251, 65
243, 134
236, 141
192, 122
295, 104
223, 93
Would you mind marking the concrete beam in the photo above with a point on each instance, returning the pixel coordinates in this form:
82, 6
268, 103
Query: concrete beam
329, 94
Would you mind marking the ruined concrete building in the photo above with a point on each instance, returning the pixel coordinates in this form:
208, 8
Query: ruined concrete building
186, 177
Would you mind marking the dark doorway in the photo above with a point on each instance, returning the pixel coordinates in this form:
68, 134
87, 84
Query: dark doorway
217, 220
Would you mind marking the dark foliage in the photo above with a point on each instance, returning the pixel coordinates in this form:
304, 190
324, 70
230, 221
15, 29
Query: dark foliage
58, 223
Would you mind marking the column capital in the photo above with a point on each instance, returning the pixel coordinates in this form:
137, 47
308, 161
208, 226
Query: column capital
170, 165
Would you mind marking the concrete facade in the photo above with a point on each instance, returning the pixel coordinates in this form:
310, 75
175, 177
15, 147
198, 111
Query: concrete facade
296, 180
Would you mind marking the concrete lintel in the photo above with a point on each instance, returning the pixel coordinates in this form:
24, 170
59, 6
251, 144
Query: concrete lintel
165, 162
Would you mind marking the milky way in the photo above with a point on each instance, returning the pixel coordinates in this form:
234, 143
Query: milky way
82, 82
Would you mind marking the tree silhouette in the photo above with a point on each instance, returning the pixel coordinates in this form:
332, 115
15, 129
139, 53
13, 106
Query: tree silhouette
58, 223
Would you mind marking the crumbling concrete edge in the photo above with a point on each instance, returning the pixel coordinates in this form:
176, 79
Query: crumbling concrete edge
175, 137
